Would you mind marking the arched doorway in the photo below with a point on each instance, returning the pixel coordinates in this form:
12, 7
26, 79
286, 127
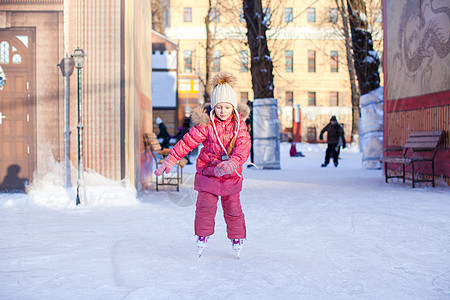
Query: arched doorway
17, 108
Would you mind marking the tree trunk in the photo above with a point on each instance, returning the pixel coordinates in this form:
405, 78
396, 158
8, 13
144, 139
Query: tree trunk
351, 71
366, 60
261, 62
209, 54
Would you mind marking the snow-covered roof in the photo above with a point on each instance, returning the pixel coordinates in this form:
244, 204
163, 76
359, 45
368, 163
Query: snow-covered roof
162, 43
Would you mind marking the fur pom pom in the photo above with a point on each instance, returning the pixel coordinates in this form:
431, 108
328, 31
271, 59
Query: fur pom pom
199, 116
222, 78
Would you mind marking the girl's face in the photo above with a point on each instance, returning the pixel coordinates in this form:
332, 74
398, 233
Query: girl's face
223, 110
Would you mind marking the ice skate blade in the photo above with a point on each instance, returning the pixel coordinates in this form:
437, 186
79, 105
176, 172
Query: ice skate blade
200, 253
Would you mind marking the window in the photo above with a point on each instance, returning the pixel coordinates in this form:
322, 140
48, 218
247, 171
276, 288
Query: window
17, 59
215, 15
241, 15
311, 15
312, 98
23, 39
4, 52
311, 61
9, 53
267, 15
311, 134
333, 15
244, 60
289, 58
288, 14
187, 14
187, 61
216, 61
244, 97
334, 55
334, 98
289, 98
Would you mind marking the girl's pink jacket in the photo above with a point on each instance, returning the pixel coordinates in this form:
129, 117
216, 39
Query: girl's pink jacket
211, 153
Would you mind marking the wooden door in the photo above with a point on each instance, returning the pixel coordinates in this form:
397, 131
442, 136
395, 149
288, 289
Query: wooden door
17, 108
312, 135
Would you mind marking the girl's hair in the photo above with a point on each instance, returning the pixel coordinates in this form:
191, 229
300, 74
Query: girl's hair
233, 141
208, 109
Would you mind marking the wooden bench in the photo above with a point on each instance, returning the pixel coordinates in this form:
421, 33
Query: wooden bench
420, 147
159, 155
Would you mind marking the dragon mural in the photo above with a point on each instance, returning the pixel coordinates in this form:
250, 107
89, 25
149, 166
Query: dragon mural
420, 38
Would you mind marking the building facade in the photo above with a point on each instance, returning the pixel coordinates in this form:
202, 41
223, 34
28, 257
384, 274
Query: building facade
164, 81
307, 48
417, 85
116, 93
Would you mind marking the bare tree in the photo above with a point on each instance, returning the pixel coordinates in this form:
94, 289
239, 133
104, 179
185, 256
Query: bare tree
232, 33
366, 63
211, 19
365, 59
159, 7
261, 62
351, 68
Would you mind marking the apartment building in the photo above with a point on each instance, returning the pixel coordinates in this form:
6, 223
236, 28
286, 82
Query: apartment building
307, 49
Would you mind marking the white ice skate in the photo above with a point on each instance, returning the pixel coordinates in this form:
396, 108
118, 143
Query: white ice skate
201, 244
237, 245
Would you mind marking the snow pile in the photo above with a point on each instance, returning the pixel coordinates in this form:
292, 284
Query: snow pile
371, 129
49, 191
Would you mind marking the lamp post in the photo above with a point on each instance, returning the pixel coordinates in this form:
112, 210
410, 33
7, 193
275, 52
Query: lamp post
78, 57
66, 65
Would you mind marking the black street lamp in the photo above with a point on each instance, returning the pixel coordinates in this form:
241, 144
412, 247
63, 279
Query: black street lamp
66, 65
78, 58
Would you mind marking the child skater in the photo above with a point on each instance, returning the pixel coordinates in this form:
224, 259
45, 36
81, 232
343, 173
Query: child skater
293, 150
226, 147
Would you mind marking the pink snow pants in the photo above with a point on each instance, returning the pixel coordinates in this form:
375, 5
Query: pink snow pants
205, 214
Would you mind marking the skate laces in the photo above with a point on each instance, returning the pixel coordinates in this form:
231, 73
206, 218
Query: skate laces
237, 244
201, 241
238, 241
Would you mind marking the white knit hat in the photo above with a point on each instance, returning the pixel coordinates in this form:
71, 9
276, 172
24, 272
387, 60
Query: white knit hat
223, 91
158, 120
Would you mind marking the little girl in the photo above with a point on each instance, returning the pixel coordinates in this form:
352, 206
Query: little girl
226, 147
293, 150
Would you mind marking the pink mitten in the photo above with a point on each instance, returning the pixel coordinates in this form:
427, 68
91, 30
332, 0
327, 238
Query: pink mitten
225, 167
168, 163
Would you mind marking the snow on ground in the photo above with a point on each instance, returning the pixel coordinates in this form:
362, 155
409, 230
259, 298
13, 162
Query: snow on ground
313, 233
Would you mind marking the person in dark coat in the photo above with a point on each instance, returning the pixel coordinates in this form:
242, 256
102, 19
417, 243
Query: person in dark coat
335, 132
163, 133
182, 130
249, 123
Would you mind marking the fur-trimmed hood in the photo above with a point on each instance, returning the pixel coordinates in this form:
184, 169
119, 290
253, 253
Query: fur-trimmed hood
200, 116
